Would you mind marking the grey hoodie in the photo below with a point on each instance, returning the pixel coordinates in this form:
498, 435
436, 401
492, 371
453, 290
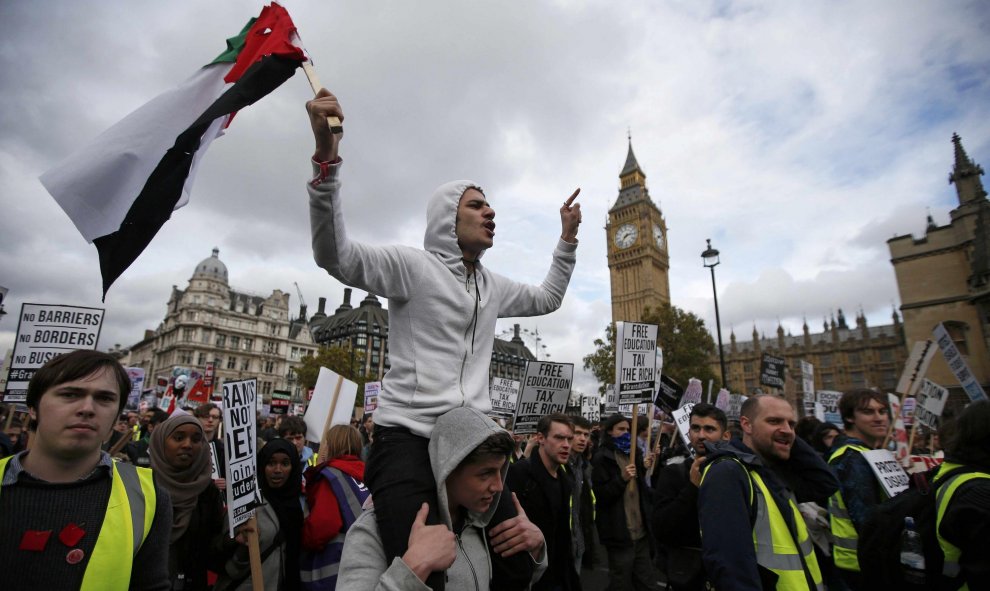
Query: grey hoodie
363, 565
441, 322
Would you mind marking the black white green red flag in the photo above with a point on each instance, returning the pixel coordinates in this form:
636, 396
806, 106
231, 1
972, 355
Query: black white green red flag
121, 188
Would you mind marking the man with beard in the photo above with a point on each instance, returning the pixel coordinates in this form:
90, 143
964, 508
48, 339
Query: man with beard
752, 534
675, 507
865, 418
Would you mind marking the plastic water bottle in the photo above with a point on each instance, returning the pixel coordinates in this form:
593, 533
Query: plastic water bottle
912, 554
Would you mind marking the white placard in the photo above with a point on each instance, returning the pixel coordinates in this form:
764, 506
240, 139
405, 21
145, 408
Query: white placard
692, 394
45, 331
722, 401
900, 434
240, 438
611, 401
635, 361
545, 389
319, 406
371, 392
504, 395
214, 462
137, 387
931, 403
958, 364
915, 367
682, 418
888, 471
829, 399
591, 408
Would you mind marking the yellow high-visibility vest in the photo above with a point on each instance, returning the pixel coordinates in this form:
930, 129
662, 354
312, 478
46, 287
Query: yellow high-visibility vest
130, 513
942, 498
843, 530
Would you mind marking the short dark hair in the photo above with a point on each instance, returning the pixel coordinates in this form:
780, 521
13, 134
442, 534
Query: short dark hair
806, 426
966, 438
158, 416
580, 421
203, 410
614, 420
705, 410
74, 366
291, 424
543, 426
496, 445
858, 399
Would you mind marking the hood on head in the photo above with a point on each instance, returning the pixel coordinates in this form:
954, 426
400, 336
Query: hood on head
441, 219
455, 435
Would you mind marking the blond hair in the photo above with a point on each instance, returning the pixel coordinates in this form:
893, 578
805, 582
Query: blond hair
343, 440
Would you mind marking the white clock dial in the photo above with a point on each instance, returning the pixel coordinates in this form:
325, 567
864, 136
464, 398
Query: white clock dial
625, 235
658, 236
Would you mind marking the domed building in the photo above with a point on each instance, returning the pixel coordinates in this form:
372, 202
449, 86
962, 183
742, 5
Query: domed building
245, 335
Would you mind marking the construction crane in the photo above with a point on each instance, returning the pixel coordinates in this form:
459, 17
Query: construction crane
302, 300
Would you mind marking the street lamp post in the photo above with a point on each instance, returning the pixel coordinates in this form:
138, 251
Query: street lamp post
710, 260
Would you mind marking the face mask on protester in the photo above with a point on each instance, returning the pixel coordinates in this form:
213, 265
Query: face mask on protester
623, 442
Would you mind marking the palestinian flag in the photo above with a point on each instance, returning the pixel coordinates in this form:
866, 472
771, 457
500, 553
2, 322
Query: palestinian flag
120, 189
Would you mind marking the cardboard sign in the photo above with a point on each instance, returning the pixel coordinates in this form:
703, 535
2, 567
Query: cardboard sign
692, 394
214, 462
209, 374
735, 406
829, 399
958, 365
900, 434
682, 418
915, 367
280, 402
635, 361
240, 436
45, 331
722, 400
167, 401
298, 409
808, 379
504, 394
545, 389
327, 383
371, 392
772, 370
668, 393
907, 411
930, 404
591, 408
611, 401
137, 386
888, 471
626, 410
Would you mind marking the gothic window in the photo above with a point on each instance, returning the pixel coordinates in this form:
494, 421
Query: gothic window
825, 360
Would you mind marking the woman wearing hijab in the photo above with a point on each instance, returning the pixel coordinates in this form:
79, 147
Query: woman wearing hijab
335, 491
279, 522
181, 462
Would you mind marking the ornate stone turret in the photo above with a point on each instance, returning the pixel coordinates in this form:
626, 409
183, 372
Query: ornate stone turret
965, 175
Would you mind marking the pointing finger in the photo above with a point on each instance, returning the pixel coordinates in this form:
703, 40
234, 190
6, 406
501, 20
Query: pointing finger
572, 197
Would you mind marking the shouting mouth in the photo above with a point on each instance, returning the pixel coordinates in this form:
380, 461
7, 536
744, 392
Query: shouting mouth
490, 226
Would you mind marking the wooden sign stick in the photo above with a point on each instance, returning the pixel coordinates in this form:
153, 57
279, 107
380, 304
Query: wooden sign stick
314, 83
633, 447
254, 552
324, 444
649, 424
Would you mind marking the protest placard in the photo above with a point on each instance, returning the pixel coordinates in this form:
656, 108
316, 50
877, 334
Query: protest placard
545, 389
692, 394
888, 471
137, 387
611, 401
908, 410
958, 364
915, 367
626, 410
45, 331
722, 400
371, 392
923, 463
931, 403
772, 370
280, 402
635, 361
829, 399
682, 418
333, 394
668, 393
591, 408
735, 406
298, 409
504, 395
240, 438
898, 431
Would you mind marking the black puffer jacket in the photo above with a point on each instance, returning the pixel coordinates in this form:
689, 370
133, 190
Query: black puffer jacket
609, 491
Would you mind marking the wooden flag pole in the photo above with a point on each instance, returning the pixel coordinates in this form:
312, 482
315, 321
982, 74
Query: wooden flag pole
254, 552
914, 430
324, 444
125, 438
649, 424
314, 83
632, 445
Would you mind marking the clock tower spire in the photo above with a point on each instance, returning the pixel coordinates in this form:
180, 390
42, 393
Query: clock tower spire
638, 261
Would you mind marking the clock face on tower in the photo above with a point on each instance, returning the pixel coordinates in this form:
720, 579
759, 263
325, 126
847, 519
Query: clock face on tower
658, 236
625, 235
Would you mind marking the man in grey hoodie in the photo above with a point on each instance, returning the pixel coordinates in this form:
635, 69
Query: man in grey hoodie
443, 306
469, 455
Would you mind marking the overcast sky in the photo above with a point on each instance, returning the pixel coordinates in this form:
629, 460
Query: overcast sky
798, 136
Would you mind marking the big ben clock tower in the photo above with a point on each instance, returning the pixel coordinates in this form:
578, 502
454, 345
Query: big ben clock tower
638, 262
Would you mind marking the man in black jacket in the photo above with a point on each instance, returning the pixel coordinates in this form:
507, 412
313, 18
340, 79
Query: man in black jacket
621, 509
675, 507
544, 489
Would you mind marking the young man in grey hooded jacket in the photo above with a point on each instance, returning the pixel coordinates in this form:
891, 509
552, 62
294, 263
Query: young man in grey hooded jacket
469, 455
443, 306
